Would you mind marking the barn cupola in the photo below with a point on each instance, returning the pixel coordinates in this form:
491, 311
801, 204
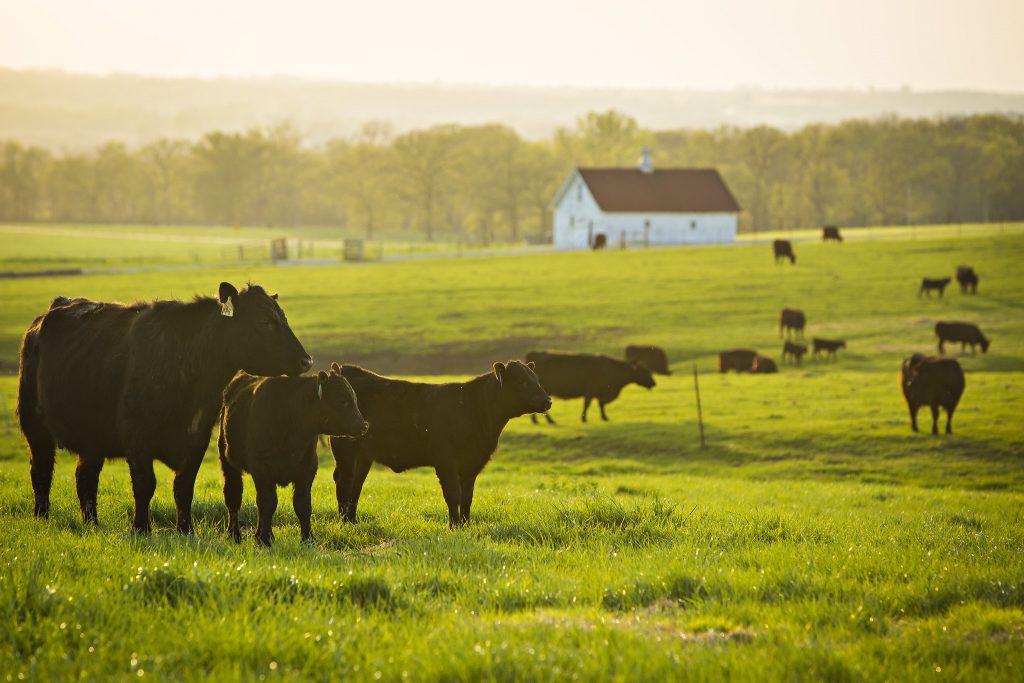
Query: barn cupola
646, 165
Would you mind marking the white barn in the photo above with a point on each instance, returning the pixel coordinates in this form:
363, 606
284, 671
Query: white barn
643, 206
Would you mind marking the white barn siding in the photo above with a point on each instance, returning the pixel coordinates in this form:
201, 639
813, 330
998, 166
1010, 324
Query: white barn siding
577, 217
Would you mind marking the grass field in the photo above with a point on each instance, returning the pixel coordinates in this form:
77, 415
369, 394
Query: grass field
815, 538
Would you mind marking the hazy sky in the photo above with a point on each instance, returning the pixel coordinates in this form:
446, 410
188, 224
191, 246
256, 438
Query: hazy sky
711, 44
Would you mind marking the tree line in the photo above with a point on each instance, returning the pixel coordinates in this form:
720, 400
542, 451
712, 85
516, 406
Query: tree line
486, 183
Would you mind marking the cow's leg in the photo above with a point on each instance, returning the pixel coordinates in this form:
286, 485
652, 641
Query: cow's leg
87, 479
949, 418
601, 404
266, 506
302, 503
344, 463
586, 404
942, 348
550, 419
184, 489
913, 416
935, 418
451, 488
533, 418
232, 495
42, 455
359, 473
143, 486
468, 482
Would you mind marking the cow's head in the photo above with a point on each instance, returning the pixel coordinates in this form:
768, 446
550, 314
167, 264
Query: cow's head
520, 389
258, 334
984, 344
337, 409
641, 374
910, 367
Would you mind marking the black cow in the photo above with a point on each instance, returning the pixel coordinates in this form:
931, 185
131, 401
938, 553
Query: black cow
143, 382
937, 284
933, 382
653, 357
967, 279
829, 346
830, 232
965, 333
792, 320
794, 351
763, 365
740, 360
453, 428
587, 375
783, 249
600, 241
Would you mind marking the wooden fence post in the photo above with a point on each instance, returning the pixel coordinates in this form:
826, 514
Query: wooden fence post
700, 415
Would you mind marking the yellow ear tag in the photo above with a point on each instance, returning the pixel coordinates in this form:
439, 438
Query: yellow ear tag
227, 309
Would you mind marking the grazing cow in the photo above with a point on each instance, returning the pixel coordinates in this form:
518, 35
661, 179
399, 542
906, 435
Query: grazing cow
763, 365
794, 351
143, 382
575, 375
929, 284
829, 346
967, 278
269, 428
783, 249
600, 241
933, 382
830, 232
653, 357
740, 360
453, 428
965, 333
792, 320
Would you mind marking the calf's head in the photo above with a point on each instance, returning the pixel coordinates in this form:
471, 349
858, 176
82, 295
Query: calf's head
520, 389
336, 407
258, 334
641, 374
909, 369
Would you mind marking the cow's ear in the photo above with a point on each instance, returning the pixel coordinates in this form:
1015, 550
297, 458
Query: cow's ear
321, 380
274, 296
499, 372
335, 368
531, 365
226, 291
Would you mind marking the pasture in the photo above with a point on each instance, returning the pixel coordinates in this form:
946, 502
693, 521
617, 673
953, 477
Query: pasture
815, 537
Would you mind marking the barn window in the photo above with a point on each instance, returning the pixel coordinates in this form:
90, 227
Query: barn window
693, 225
579, 193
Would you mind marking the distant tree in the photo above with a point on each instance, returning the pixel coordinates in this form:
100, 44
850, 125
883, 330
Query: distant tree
423, 160
21, 181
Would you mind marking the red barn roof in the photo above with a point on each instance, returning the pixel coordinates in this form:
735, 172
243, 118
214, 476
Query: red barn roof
669, 190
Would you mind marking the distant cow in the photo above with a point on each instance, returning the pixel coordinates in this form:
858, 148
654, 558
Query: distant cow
933, 382
830, 232
600, 241
143, 382
763, 365
740, 360
794, 351
783, 249
792, 320
965, 333
937, 284
452, 427
269, 428
829, 346
653, 357
586, 375
967, 279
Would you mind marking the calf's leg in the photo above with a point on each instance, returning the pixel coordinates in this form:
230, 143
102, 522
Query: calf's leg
266, 506
935, 418
143, 486
42, 450
87, 479
601, 404
466, 502
302, 503
586, 404
451, 488
184, 489
359, 473
913, 416
949, 418
344, 463
232, 497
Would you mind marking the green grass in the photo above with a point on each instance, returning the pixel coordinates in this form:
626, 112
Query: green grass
815, 538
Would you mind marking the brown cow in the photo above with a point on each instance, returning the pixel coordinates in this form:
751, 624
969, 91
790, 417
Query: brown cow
967, 279
653, 357
830, 232
965, 333
829, 346
740, 360
933, 382
600, 241
269, 428
588, 376
783, 249
792, 320
795, 351
937, 284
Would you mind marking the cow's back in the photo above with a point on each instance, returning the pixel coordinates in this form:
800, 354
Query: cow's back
654, 357
82, 357
568, 375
